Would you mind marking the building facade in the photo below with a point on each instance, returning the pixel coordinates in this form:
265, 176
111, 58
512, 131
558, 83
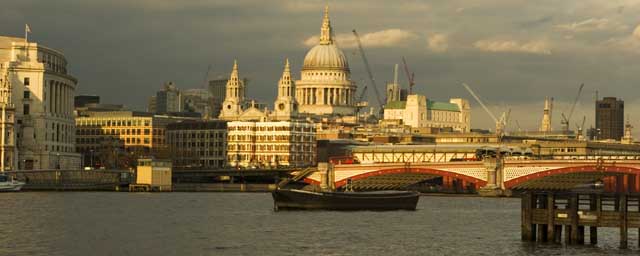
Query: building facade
609, 118
104, 136
325, 86
8, 149
419, 112
200, 101
198, 144
168, 100
83, 100
262, 144
42, 92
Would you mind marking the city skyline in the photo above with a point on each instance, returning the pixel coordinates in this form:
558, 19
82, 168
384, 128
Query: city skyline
529, 50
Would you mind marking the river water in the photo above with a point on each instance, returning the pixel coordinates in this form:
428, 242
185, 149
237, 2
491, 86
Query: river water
103, 223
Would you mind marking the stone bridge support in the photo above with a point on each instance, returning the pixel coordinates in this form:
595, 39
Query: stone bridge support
495, 178
327, 176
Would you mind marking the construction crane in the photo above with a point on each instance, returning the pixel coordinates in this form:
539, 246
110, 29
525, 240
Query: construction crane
564, 123
501, 123
206, 77
360, 102
369, 73
580, 133
410, 77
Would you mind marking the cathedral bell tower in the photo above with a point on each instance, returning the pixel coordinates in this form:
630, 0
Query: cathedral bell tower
232, 105
285, 105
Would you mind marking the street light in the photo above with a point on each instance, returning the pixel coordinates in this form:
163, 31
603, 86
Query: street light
58, 164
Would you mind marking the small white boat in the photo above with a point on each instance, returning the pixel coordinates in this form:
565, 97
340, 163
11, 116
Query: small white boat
9, 184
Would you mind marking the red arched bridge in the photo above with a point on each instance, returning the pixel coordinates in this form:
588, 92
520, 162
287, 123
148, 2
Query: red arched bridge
490, 174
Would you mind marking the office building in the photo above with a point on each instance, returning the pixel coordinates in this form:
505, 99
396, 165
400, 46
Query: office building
609, 118
198, 144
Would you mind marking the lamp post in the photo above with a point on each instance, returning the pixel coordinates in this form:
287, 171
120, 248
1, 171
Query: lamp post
58, 164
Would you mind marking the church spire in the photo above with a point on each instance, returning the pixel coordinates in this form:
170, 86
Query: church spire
325, 31
285, 85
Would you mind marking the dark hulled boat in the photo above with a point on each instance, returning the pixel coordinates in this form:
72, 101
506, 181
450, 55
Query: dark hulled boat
292, 199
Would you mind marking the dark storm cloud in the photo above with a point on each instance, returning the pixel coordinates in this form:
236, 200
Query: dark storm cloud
512, 52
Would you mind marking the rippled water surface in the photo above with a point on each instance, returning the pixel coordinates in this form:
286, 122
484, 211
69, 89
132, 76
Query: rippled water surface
96, 223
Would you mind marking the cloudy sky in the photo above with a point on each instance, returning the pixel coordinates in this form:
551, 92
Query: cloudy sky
512, 52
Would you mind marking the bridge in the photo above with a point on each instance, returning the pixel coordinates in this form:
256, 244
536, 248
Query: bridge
488, 175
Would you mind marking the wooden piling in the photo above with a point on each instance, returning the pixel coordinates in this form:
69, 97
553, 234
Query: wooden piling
557, 234
595, 206
580, 235
526, 226
573, 211
623, 221
593, 235
551, 228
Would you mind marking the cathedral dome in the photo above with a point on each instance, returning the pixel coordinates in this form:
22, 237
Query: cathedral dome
325, 56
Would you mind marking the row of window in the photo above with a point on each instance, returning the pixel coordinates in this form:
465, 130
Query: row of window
270, 147
271, 128
217, 135
250, 157
283, 138
101, 123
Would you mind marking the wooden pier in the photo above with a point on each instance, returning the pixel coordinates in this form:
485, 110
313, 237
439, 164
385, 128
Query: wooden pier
547, 215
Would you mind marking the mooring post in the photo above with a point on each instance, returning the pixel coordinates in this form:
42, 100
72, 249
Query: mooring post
573, 212
551, 229
526, 227
623, 221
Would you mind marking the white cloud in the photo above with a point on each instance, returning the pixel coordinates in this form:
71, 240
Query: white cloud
378, 39
438, 42
629, 43
533, 47
636, 33
592, 24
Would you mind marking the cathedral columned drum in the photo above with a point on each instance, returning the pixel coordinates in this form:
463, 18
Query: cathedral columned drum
325, 86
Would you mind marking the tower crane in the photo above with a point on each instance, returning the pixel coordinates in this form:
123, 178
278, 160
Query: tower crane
564, 123
580, 133
501, 123
409, 77
360, 102
369, 73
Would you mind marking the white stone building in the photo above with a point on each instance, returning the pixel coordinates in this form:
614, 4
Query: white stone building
419, 112
325, 86
42, 92
271, 144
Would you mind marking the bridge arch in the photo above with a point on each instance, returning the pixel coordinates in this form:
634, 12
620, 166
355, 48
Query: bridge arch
611, 169
412, 170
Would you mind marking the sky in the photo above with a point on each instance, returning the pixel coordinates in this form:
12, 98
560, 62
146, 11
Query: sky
513, 53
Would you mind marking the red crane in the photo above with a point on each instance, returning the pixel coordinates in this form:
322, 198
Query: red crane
409, 76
